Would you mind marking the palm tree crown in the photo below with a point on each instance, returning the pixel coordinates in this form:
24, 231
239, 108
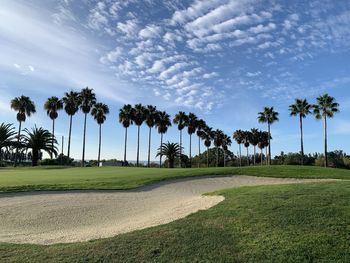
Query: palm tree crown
301, 108
180, 120
24, 107
52, 105
268, 115
326, 106
71, 101
99, 112
125, 115
171, 151
87, 100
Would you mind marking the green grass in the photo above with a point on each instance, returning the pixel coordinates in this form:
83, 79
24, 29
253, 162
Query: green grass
288, 223
60, 178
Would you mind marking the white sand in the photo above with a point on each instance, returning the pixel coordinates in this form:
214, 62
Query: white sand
63, 217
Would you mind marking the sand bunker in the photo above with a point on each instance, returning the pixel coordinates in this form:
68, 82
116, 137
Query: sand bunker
71, 216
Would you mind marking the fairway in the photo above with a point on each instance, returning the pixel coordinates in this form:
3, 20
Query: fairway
290, 223
51, 178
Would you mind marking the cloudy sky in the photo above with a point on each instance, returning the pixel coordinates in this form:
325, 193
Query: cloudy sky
221, 59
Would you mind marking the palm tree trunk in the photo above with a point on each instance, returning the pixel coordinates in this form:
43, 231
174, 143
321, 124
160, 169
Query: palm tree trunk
18, 138
125, 143
83, 157
199, 149
254, 154
35, 157
70, 134
161, 152
224, 157
266, 157
261, 156
138, 145
217, 156
180, 148
325, 142
248, 156
269, 157
99, 147
53, 135
240, 155
301, 140
207, 156
190, 150
149, 146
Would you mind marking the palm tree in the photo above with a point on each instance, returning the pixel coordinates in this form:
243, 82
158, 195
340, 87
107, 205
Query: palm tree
151, 114
138, 116
207, 135
99, 112
238, 136
226, 141
162, 123
300, 108
24, 107
52, 106
7, 133
71, 103
269, 116
254, 140
200, 127
263, 142
39, 139
325, 108
126, 119
191, 128
218, 137
180, 120
87, 101
247, 140
171, 151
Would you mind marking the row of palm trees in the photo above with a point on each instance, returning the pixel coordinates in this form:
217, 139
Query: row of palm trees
85, 100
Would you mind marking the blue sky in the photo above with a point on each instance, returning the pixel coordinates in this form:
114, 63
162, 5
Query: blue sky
221, 59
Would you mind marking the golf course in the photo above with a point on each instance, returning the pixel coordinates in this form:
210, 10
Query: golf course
249, 214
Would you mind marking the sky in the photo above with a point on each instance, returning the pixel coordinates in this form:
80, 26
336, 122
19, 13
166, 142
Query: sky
224, 60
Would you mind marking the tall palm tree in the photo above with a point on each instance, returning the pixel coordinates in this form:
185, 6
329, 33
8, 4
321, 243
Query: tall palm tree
99, 112
71, 101
126, 119
162, 123
151, 114
180, 120
24, 107
171, 151
300, 108
269, 116
254, 140
226, 141
52, 105
325, 107
139, 116
87, 101
238, 136
7, 133
207, 135
218, 137
247, 140
39, 139
200, 127
191, 125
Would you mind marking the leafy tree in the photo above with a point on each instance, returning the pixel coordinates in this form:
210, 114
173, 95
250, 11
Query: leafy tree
180, 120
138, 116
52, 106
162, 123
126, 119
24, 107
325, 107
300, 108
269, 116
71, 101
171, 151
39, 139
99, 112
151, 115
87, 101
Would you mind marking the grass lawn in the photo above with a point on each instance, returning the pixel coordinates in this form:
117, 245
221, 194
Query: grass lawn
288, 223
58, 178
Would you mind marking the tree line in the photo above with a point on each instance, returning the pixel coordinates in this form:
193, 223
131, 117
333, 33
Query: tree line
39, 139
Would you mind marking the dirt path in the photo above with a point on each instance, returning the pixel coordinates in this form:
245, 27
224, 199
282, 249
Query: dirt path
62, 217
